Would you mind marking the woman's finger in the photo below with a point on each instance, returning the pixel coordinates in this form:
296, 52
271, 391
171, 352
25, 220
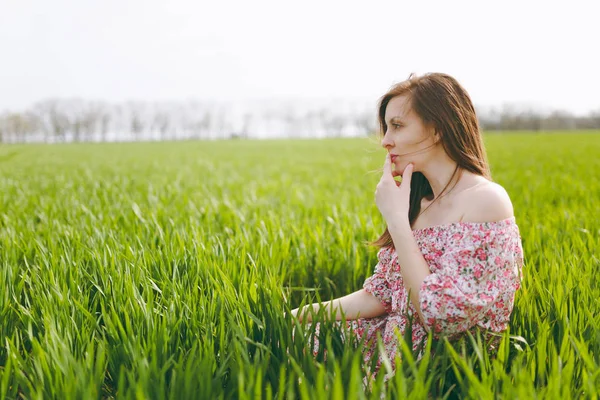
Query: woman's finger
407, 174
387, 167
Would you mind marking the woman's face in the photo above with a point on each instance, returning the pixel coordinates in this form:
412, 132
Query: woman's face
406, 138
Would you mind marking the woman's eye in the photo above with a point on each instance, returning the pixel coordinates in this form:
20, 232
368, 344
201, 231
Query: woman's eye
396, 125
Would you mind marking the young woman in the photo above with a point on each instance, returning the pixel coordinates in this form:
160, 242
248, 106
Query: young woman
450, 258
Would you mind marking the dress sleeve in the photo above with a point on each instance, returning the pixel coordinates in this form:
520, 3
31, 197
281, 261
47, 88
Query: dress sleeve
480, 270
378, 285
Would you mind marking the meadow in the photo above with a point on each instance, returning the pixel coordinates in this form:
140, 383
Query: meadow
163, 271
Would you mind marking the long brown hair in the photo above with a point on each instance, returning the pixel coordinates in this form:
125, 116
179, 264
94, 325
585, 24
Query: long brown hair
441, 102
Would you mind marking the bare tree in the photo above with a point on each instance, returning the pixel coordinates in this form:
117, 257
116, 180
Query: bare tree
90, 121
76, 127
247, 121
161, 123
54, 122
136, 126
200, 126
18, 126
105, 118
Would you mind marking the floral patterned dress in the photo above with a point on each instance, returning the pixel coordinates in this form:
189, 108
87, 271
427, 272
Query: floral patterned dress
475, 271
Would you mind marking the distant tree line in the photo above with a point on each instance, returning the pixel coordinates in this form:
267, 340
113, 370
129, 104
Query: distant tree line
75, 120
515, 118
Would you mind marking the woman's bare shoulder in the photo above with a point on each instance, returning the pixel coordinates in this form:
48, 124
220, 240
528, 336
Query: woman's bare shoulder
488, 202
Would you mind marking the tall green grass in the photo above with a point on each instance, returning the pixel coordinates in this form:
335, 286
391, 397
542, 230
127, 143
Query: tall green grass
163, 270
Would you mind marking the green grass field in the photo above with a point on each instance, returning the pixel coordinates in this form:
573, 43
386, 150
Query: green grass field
163, 270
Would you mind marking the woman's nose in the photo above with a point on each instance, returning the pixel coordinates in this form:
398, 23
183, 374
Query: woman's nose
386, 141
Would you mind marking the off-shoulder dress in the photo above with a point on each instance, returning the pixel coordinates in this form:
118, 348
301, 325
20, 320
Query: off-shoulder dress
475, 271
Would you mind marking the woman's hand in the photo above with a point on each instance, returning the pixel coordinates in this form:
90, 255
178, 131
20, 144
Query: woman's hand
393, 197
354, 305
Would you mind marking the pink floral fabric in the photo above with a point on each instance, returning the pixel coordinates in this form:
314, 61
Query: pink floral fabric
475, 271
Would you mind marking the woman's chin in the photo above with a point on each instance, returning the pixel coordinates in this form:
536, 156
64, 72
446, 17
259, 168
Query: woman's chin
400, 171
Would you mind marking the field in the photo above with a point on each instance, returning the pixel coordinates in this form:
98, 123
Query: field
163, 270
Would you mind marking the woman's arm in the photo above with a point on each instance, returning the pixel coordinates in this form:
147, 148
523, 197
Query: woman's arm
360, 304
414, 267
487, 206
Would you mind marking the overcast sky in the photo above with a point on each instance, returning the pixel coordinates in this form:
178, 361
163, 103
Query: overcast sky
538, 52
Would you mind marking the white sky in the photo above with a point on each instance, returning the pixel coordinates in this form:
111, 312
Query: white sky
540, 52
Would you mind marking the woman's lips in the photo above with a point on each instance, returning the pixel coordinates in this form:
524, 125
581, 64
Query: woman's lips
393, 158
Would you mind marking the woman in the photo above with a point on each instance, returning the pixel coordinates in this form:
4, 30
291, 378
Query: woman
450, 258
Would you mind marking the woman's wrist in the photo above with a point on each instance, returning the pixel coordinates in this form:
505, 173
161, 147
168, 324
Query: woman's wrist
400, 227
